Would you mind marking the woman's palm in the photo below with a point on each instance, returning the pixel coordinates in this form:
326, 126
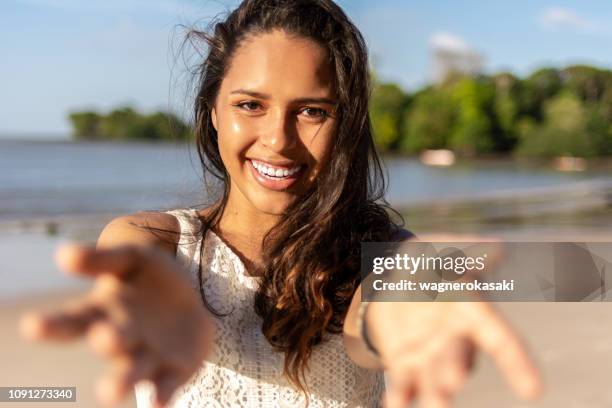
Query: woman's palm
142, 314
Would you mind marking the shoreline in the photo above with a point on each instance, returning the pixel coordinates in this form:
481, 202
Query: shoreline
31, 243
579, 196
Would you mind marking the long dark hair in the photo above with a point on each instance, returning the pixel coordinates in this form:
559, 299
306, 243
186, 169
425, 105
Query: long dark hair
312, 255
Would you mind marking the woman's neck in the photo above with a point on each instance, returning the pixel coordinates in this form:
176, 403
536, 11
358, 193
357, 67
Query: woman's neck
243, 227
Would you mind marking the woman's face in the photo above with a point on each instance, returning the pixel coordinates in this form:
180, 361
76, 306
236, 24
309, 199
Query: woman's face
274, 116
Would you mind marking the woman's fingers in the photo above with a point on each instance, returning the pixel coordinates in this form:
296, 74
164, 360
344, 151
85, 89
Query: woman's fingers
109, 339
121, 261
166, 383
108, 389
453, 367
143, 366
127, 370
495, 337
435, 399
66, 324
394, 399
435, 381
400, 390
432, 393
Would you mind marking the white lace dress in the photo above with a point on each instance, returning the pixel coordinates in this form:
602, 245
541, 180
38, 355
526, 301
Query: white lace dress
244, 370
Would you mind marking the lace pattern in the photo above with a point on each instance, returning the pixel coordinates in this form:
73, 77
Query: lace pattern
243, 369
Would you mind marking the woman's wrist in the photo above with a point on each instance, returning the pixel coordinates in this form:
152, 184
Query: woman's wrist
363, 328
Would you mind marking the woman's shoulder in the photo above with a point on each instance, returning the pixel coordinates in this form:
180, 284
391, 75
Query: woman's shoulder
145, 228
401, 234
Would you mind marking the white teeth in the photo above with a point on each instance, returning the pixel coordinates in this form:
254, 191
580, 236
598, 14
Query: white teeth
272, 172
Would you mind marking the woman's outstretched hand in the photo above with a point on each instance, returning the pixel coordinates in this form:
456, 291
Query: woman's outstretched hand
142, 315
427, 348
431, 360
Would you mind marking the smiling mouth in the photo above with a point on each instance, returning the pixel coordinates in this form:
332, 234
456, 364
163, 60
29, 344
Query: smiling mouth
275, 172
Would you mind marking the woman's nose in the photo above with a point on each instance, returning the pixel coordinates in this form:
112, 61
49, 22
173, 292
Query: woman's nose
280, 133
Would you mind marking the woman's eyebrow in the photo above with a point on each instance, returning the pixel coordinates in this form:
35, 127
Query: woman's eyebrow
260, 95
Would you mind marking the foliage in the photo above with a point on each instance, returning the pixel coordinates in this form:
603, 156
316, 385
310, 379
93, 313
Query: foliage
472, 132
570, 127
127, 124
551, 112
428, 122
386, 106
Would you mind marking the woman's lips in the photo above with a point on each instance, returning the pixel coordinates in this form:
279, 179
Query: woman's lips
273, 183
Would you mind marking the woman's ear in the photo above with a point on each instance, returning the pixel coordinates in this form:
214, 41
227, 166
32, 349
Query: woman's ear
213, 117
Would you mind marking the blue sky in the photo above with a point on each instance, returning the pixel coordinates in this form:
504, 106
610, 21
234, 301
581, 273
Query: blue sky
60, 55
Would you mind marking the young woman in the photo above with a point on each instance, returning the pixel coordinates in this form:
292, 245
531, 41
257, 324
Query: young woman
261, 307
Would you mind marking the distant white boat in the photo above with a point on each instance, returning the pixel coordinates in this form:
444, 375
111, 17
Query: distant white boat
437, 157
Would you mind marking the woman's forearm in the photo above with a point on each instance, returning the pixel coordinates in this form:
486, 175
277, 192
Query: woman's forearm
353, 342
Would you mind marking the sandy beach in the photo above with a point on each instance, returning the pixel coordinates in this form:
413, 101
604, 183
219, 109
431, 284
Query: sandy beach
30, 364
572, 343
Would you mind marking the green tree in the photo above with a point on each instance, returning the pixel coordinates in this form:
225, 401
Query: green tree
506, 110
428, 121
570, 128
125, 123
122, 124
472, 131
386, 106
85, 125
536, 89
588, 83
164, 126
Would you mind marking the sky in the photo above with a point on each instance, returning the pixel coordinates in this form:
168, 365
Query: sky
62, 55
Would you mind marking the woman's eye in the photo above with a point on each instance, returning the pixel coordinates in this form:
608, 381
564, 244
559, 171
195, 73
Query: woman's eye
315, 112
249, 106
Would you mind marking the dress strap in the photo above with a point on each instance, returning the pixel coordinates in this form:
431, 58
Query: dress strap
188, 248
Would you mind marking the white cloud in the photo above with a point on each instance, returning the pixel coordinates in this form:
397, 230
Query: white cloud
449, 42
558, 17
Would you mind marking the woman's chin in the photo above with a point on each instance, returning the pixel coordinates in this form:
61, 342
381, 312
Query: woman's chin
273, 205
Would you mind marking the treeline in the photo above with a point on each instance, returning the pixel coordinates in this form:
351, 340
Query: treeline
127, 124
552, 112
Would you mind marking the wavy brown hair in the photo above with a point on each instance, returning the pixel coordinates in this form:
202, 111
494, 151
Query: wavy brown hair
312, 255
